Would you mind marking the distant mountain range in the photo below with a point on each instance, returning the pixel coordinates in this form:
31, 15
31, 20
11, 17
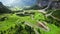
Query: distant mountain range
31, 4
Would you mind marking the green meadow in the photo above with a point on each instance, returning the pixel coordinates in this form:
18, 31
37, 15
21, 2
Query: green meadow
15, 24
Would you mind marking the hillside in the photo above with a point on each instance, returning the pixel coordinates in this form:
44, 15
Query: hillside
17, 24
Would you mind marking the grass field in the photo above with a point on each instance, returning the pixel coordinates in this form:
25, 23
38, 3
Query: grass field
8, 26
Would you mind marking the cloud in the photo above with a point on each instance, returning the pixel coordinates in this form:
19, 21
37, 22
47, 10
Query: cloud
7, 2
19, 3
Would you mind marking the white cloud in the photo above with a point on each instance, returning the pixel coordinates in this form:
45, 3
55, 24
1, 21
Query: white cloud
7, 2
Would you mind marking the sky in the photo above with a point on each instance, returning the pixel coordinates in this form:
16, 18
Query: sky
20, 3
7, 2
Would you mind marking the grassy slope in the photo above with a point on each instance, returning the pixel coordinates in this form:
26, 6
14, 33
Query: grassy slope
14, 19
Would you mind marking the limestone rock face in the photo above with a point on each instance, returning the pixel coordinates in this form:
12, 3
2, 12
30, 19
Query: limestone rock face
54, 4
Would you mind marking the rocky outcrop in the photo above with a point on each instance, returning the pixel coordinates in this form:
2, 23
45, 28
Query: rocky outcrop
51, 4
55, 5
